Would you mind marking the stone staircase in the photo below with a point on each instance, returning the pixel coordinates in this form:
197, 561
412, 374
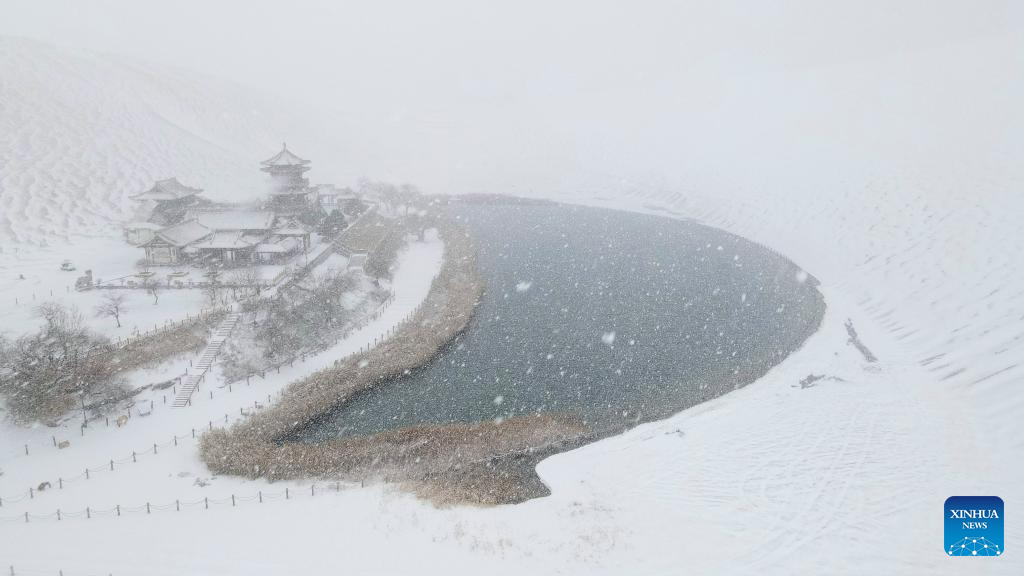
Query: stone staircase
198, 371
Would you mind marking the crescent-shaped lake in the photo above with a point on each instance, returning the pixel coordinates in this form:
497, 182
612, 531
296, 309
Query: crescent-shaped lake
614, 317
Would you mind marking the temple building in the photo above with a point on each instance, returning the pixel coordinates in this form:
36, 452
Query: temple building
290, 192
168, 200
184, 229
168, 246
227, 238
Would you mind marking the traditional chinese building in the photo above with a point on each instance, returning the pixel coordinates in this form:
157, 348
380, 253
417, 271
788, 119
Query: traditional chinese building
170, 200
168, 246
185, 229
226, 238
290, 192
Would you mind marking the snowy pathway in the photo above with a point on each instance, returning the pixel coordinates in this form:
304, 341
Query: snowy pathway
197, 373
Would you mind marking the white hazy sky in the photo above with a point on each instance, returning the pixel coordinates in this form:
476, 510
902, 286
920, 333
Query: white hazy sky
511, 96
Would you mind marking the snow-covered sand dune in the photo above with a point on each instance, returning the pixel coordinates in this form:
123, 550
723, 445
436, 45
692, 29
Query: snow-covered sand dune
79, 133
847, 475
918, 250
852, 471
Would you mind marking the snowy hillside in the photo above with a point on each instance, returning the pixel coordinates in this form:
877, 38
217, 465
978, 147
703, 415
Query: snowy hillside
79, 133
912, 225
903, 197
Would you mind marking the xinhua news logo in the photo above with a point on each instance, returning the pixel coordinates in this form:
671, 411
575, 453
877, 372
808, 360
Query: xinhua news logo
974, 526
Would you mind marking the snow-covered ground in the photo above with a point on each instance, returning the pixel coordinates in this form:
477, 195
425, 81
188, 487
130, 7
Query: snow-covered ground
775, 477
846, 476
34, 277
172, 472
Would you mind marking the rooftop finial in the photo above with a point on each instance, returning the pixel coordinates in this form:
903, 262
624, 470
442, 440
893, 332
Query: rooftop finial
284, 145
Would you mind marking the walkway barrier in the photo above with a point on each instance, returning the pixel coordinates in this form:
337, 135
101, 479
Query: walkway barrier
114, 464
32, 446
178, 505
230, 501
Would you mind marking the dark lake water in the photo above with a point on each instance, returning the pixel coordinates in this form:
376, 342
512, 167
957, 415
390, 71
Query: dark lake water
612, 316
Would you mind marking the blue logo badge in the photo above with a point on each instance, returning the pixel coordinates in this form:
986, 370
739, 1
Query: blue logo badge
974, 526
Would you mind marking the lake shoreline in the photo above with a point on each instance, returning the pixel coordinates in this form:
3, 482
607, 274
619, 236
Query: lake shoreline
255, 448
483, 462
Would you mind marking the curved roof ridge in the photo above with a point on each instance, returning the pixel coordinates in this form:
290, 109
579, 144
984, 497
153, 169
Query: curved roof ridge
285, 158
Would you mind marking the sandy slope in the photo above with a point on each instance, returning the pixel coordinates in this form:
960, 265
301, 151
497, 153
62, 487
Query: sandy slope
80, 133
848, 476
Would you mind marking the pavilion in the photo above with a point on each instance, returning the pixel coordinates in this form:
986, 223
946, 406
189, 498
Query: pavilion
290, 192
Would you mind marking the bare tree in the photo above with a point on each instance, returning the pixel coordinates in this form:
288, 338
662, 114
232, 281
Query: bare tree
152, 287
212, 289
408, 195
389, 194
46, 371
249, 278
112, 305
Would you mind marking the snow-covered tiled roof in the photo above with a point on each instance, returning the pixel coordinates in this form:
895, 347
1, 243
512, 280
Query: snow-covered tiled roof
290, 227
169, 189
234, 219
279, 246
184, 233
291, 231
271, 248
142, 226
225, 240
285, 158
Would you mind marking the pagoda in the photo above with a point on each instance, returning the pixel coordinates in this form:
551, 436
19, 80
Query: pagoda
290, 192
